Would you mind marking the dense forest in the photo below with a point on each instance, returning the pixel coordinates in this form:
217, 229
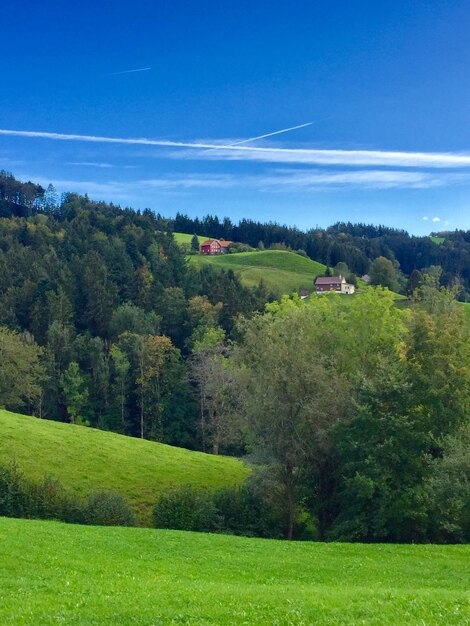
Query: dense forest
354, 412
110, 313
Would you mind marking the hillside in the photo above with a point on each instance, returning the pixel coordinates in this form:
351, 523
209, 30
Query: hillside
185, 238
86, 459
94, 575
282, 271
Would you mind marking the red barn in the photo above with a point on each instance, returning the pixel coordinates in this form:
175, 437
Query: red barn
215, 246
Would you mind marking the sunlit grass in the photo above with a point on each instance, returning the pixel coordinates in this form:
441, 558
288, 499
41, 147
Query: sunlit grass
87, 459
55, 573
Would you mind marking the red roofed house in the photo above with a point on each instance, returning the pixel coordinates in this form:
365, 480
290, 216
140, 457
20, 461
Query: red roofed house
215, 246
324, 284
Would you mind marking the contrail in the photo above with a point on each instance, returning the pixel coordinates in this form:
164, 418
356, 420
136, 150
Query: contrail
277, 155
140, 69
277, 132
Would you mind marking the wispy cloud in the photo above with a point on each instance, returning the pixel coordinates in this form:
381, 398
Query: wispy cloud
275, 181
371, 179
306, 156
91, 164
436, 219
139, 69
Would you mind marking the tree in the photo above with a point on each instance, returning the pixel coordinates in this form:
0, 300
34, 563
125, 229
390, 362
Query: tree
195, 243
21, 373
414, 282
121, 367
75, 393
383, 272
214, 375
151, 353
291, 398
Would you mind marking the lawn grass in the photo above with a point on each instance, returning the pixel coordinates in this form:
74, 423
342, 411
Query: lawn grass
86, 459
56, 573
282, 271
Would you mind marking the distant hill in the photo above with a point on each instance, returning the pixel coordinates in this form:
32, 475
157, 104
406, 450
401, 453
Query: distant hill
282, 271
86, 459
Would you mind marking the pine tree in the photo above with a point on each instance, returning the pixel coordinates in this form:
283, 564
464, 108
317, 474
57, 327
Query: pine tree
195, 243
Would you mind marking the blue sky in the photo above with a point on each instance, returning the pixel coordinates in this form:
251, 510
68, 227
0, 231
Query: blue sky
386, 86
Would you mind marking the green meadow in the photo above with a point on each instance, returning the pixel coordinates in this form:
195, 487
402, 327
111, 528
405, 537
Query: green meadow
53, 573
282, 271
87, 459
185, 238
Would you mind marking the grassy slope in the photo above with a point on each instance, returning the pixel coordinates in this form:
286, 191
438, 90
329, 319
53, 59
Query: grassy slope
54, 573
282, 271
86, 459
184, 238
438, 240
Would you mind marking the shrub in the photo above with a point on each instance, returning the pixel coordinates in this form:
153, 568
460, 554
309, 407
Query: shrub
108, 508
245, 511
14, 492
186, 508
49, 500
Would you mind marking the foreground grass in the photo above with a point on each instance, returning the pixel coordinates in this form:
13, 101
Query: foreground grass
86, 459
54, 573
282, 271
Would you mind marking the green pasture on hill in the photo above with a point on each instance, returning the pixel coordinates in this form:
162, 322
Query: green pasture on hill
438, 240
87, 459
56, 573
282, 271
185, 238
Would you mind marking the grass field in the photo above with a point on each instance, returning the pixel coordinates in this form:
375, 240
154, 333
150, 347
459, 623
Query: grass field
56, 573
184, 238
438, 240
86, 459
282, 271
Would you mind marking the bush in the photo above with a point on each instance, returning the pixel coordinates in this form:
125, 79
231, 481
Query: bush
233, 510
14, 492
245, 511
49, 500
108, 508
240, 247
186, 508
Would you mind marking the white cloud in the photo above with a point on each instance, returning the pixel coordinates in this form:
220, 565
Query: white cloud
436, 219
372, 179
425, 218
307, 156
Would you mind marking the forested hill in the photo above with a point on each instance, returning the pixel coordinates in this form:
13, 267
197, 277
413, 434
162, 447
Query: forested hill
103, 310
354, 244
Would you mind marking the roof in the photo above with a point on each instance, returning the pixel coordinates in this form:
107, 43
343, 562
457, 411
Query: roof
329, 280
222, 242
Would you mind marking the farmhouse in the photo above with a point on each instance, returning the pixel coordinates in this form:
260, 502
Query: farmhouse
325, 284
215, 246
